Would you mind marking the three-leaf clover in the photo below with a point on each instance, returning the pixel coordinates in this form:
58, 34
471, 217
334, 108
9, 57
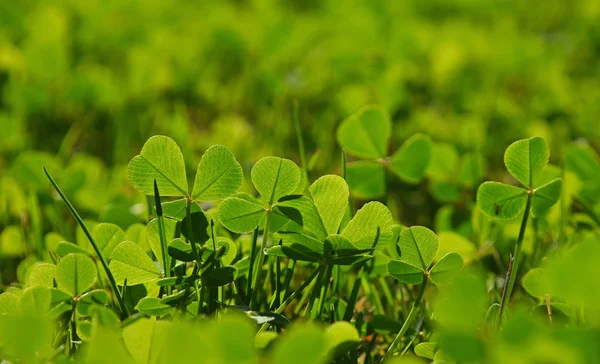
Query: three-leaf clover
273, 178
418, 247
525, 159
366, 135
319, 217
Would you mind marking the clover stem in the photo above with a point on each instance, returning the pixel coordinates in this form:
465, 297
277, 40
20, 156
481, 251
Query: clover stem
111, 278
261, 261
162, 235
517, 255
250, 281
409, 319
296, 293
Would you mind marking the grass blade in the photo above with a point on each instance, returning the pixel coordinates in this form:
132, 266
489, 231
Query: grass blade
103, 261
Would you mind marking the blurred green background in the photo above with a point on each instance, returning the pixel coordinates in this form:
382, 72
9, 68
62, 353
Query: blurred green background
102, 76
85, 83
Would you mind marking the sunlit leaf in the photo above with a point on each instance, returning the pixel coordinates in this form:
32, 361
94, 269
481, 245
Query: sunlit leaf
275, 177
107, 236
501, 201
362, 229
418, 246
160, 160
545, 197
219, 175
526, 158
412, 159
366, 133
446, 269
240, 215
130, 262
404, 272
75, 273
330, 194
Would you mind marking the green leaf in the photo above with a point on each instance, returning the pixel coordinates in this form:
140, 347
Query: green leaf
443, 165
160, 160
96, 297
526, 158
362, 229
180, 250
536, 283
218, 277
9, 304
330, 194
340, 338
65, 248
304, 344
177, 209
366, 133
219, 175
275, 177
75, 273
200, 227
501, 201
38, 301
42, 275
295, 252
472, 168
582, 159
385, 325
426, 349
240, 215
12, 242
404, 272
366, 179
450, 241
418, 246
130, 262
107, 237
446, 269
412, 159
138, 338
545, 197
153, 307
302, 211
154, 236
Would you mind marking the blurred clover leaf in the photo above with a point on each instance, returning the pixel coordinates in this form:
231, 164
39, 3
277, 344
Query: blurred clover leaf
366, 135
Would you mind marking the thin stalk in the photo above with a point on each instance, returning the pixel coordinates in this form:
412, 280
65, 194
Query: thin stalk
518, 247
299, 137
409, 319
162, 235
548, 307
277, 281
188, 217
388, 295
289, 272
503, 300
250, 268
352, 300
111, 278
261, 261
324, 290
295, 294
315, 291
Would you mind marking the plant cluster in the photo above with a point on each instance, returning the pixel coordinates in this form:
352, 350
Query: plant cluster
303, 271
